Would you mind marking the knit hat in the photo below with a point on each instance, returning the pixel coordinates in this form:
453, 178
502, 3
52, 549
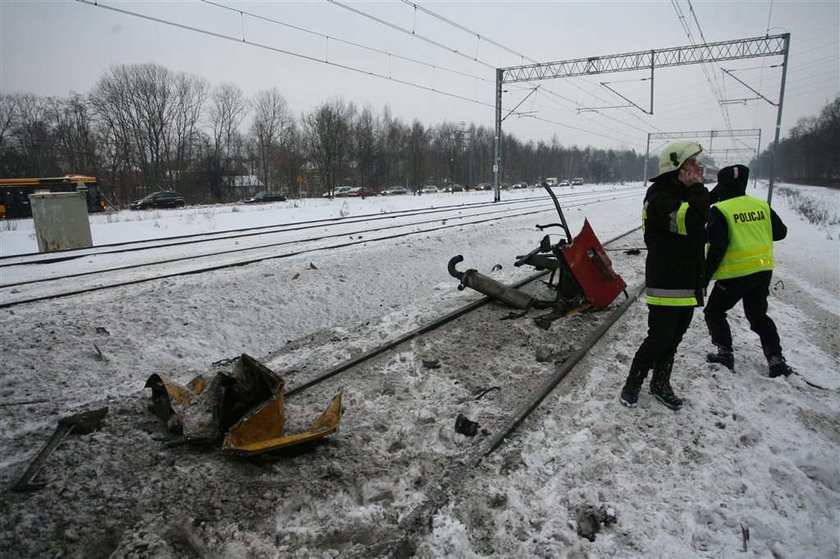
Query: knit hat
732, 182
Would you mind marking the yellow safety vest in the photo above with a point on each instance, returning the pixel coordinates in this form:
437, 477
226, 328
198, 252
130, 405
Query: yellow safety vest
750, 248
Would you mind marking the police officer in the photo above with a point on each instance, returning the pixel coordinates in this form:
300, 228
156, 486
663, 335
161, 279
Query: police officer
741, 232
674, 219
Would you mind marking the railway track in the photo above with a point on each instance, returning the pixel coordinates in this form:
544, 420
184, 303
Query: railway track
262, 230
502, 397
23, 283
368, 490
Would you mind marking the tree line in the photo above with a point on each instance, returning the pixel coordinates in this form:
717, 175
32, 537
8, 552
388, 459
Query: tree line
810, 154
144, 127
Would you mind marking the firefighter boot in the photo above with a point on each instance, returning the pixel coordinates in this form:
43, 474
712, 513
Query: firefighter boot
723, 356
630, 392
660, 384
778, 366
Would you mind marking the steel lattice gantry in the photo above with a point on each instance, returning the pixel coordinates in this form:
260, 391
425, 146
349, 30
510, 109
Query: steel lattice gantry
770, 45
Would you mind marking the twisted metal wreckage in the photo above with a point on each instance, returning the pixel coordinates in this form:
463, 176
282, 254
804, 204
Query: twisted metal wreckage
243, 408
584, 275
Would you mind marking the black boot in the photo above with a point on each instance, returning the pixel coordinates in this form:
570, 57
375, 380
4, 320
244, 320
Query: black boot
630, 392
660, 384
778, 366
723, 356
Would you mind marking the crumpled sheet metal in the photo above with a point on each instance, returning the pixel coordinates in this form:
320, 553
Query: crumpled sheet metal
245, 409
252, 434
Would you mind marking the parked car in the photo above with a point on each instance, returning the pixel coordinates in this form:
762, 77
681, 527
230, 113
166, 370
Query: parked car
563, 183
361, 191
394, 191
429, 189
339, 191
162, 199
265, 196
577, 180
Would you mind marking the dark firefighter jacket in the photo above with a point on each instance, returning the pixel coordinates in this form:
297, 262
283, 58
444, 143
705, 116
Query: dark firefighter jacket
732, 182
674, 220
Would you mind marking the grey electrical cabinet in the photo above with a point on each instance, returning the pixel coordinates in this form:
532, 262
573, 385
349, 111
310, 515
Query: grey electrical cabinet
61, 220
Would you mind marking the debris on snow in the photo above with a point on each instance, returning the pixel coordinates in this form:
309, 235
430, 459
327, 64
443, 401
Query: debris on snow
589, 520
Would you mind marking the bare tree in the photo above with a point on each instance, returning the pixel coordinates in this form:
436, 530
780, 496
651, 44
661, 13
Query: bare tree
418, 153
150, 116
366, 145
132, 101
72, 127
228, 108
292, 159
8, 116
33, 138
271, 125
328, 130
189, 94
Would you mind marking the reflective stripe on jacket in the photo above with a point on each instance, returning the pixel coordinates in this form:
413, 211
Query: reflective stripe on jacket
670, 297
677, 223
750, 247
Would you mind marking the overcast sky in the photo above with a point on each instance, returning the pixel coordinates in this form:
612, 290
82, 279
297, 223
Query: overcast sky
55, 47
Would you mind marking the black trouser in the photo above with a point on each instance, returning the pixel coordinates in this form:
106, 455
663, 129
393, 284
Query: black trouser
753, 290
666, 326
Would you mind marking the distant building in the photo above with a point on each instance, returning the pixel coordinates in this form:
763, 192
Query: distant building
246, 185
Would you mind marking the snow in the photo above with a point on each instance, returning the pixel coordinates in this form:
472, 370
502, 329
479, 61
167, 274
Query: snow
746, 452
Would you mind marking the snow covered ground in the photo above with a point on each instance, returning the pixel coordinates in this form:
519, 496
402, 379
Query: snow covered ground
746, 455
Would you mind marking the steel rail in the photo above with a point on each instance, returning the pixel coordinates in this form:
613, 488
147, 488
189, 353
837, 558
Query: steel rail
239, 250
246, 232
69, 254
561, 372
434, 325
241, 263
418, 518
247, 262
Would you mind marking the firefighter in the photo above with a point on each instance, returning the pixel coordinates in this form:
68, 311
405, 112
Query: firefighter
674, 218
741, 231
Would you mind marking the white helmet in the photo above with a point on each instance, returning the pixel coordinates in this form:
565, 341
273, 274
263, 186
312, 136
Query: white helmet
674, 155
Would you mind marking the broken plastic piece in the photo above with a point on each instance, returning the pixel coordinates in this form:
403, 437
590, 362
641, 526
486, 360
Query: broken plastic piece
244, 409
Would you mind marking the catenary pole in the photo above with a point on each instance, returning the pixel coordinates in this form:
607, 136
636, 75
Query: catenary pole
497, 159
778, 119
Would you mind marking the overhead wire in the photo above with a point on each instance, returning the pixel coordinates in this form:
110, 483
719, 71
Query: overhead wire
490, 41
345, 41
763, 64
413, 32
242, 40
715, 86
480, 37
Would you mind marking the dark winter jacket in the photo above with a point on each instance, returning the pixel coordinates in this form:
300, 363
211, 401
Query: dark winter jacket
732, 182
675, 235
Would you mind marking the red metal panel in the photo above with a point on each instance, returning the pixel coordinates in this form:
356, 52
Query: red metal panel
592, 268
